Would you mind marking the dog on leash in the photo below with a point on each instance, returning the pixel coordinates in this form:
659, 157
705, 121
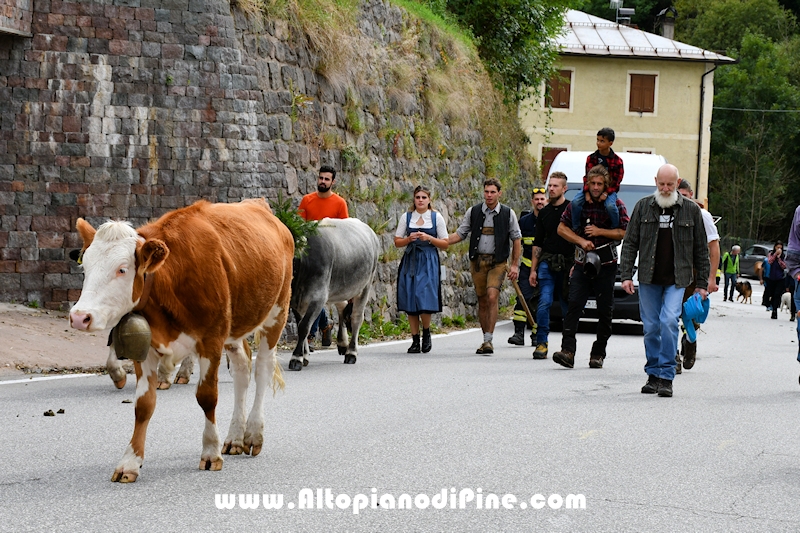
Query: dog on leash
745, 291
786, 302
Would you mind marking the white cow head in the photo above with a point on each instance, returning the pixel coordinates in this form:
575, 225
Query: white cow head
115, 259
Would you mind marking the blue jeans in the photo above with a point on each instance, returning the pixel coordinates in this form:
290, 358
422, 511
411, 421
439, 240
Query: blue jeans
550, 285
320, 322
610, 204
797, 321
729, 278
660, 307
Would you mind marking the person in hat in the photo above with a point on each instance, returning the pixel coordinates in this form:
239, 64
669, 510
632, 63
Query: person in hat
666, 231
595, 267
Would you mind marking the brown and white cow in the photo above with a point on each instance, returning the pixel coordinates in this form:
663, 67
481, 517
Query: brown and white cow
217, 273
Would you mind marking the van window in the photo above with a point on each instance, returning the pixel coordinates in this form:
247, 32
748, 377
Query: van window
629, 194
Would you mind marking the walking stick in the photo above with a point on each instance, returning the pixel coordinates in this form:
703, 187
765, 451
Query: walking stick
531, 322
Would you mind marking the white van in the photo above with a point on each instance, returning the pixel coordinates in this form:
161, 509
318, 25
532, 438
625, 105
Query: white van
637, 182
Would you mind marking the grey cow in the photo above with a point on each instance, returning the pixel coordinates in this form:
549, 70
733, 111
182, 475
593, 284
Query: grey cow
339, 265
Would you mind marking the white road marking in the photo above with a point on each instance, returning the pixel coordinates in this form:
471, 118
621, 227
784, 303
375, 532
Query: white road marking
360, 347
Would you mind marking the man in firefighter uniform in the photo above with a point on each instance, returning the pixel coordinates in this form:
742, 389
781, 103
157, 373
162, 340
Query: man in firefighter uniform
527, 224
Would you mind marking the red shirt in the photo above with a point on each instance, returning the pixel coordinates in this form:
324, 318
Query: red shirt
312, 207
613, 164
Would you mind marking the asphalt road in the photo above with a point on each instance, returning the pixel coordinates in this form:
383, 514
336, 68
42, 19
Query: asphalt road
721, 455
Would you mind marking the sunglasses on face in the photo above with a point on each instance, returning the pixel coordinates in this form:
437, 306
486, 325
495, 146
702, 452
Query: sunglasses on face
538, 190
420, 197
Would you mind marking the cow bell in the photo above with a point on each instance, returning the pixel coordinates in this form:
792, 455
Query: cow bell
131, 337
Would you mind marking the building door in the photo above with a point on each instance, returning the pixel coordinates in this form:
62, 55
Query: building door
549, 153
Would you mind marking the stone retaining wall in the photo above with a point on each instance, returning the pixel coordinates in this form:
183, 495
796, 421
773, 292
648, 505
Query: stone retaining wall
131, 108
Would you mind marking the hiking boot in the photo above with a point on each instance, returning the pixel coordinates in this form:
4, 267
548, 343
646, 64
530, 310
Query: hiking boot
518, 338
541, 351
665, 388
326, 335
485, 349
426, 340
564, 358
689, 353
678, 364
415, 348
595, 361
651, 387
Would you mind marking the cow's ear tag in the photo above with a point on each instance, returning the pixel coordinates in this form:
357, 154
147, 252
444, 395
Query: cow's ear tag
77, 256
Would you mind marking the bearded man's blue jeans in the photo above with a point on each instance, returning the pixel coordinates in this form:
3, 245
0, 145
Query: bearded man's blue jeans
660, 308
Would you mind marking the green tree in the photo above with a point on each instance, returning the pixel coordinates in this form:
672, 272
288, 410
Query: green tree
752, 155
722, 24
515, 39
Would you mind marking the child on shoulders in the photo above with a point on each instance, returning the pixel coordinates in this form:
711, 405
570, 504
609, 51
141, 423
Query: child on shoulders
605, 156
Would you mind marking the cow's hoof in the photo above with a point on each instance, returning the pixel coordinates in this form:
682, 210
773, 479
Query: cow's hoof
295, 364
164, 385
121, 383
229, 448
342, 349
180, 380
349, 359
211, 464
124, 477
252, 446
305, 361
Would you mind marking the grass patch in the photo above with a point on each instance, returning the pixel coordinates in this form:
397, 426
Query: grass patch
450, 28
352, 161
352, 113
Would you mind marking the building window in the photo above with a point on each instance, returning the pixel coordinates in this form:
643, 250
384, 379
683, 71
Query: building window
559, 90
642, 93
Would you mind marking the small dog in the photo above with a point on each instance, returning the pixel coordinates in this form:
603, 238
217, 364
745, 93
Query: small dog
786, 302
745, 291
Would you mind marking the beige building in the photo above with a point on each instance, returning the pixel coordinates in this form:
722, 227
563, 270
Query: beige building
654, 92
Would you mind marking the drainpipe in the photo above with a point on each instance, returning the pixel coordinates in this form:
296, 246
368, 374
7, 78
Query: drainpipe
700, 136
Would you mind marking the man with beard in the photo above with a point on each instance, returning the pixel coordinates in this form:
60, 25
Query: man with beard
324, 203
527, 225
595, 269
550, 261
666, 231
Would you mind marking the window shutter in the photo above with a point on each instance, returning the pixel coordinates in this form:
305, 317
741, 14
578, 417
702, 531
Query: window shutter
558, 89
643, 93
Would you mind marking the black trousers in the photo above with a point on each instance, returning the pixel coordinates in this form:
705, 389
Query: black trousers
775, 288
580, 288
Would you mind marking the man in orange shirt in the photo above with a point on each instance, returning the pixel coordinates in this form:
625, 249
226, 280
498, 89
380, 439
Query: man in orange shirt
324, 203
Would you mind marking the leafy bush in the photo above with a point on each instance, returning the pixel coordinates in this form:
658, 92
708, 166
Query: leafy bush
301, 229
515, 38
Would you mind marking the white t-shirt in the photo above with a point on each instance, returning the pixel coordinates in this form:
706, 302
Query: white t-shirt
711, 229
427, 223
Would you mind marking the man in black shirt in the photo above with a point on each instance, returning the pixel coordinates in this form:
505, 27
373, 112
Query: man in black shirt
551, 261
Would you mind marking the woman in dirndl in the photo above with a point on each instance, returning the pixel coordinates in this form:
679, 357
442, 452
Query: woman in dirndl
423, 232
